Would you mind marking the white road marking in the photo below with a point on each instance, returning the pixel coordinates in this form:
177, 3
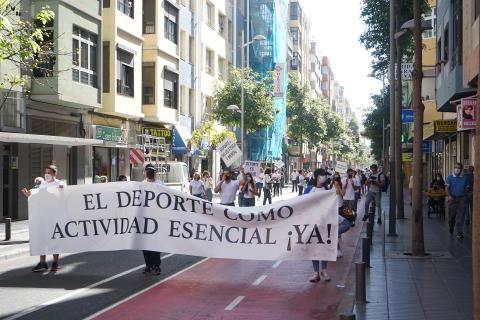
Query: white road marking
259, 280
144, 290
276, 264
76, 292
234, 303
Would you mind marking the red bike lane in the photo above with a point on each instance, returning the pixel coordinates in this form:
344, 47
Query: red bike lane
243, 289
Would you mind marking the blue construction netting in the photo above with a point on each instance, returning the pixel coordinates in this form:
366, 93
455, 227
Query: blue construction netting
269, 18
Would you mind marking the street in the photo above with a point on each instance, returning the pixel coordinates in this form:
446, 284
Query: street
110, 285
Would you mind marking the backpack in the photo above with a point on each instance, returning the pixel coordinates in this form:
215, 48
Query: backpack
387, 182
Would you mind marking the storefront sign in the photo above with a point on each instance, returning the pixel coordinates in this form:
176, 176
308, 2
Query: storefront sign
110, 134
159, 132
445, 126
407, 157
467, 114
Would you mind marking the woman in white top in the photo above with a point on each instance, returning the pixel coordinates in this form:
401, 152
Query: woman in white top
259, 182
208, 185
249, 190
196, 187
267, 186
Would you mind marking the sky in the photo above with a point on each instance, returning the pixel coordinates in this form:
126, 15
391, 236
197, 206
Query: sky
336, 26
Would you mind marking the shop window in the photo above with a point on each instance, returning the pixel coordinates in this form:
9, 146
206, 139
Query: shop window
126, 7
148, 83
84, 57
170, 25
105, 164
149, 16
125, 73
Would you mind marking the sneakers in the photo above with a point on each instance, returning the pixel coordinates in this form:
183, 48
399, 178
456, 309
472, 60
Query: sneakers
460, 236
147, 270
339, 253
54, 267
40, 267
156, 271
315, 277
324, 276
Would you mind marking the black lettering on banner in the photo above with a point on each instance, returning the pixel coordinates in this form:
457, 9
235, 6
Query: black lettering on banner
145, 227
95, 230
227, 234
201, 230
266, 217
290, 212
149, 195
267, 239
255, 235
219, 234
120, 202
169, 200
116, 225
179, 201
300, 232
57, 230
105, 229
250, 218
134, 225
67, 231
136, 197
207, 208
193, 201
124, 224
99, 202
315, 234
187, 227
174, 227
84, 223
88, 200
225, 213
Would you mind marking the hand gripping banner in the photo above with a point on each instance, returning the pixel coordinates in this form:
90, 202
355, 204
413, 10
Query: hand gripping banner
150, 216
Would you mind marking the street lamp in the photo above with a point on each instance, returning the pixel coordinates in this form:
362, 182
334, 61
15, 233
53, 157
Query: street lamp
258, 37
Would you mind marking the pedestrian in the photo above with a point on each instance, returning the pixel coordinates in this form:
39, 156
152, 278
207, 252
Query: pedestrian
294, 178
267, 186
240, 177
351, 185
276, 183
301, 182
152, 259
197, 188
51, 181
375, 183
363, 181
227, 188
249, 190
122, 178
469, 204
259, 182
343, 224
457, 187
208, 185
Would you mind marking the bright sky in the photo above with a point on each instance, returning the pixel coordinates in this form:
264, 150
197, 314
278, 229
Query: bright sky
336, 25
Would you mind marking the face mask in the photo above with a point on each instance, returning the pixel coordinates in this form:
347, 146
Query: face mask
457, 171
350, 176
323, 179
48, 177
150, 174
438, 179
228, 177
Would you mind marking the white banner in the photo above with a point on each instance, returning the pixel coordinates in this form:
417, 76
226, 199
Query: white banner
253, 167
341, 167
150, 216
229, 151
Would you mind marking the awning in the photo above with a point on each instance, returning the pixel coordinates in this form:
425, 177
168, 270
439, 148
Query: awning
44, 139
181, 135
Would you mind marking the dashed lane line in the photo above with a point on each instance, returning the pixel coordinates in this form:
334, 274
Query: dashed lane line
234, 303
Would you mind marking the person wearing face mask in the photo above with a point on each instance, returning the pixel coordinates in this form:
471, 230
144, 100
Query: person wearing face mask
152, 258
249, 190
457, 186
267, 186
51, 181
301, 182
227, 188
375, 183
351, 185
436, 195
208, 184
197, 188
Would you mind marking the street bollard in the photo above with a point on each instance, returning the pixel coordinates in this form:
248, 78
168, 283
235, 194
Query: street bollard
366, 251
8, 228
370, 231
349, 316
360, 290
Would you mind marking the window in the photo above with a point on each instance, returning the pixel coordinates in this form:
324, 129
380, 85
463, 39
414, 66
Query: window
295, 61
209, 61
192, 50
45, 59
125, 73
222, 25
221, 68
430, 18
476, 10
106, 3
148, 83
106, 66
191, 101
125, 7
294, 11
445, 44
84, 57
183, 102
230, 31
208, 105
183, 45
294, 33
457, 39
170, 27
170, 84
209, 19
148, 16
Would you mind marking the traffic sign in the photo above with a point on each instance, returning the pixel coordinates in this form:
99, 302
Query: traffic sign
407, 115
136, 156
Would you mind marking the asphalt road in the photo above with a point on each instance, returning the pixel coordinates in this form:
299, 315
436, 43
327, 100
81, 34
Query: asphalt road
85, 284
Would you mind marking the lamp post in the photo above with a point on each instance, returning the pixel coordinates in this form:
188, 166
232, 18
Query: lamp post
258, 37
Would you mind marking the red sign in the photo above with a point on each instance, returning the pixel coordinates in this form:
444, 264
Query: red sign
467, 114
136, 156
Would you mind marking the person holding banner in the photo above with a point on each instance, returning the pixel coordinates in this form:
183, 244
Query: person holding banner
227, 188
249, 190
197, 188
152, 258
50, 174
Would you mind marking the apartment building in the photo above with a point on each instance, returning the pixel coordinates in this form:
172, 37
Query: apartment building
328, 81
315, 68
471, 48
299, 29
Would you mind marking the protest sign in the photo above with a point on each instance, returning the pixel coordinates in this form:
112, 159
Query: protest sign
151, 216
229, 151
279, 164
341, 167
253, 167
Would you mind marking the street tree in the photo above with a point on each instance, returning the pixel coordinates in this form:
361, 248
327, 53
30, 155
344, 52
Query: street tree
258, 101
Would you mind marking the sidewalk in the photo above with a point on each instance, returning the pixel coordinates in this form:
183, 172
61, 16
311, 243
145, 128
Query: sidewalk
438, 286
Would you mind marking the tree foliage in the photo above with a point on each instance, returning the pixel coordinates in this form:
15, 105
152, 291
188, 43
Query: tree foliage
259, 108
376, 116
210, 135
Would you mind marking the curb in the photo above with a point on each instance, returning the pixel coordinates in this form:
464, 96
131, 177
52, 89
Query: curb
16, 253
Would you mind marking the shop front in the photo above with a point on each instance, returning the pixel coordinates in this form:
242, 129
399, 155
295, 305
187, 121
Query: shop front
156, 142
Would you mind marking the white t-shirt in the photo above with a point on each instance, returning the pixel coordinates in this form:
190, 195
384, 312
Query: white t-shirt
249, 192
268, 178
350, 192
301, 180
259, 178
228, 191
207, 184
197, 187
294, 175
55, 183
